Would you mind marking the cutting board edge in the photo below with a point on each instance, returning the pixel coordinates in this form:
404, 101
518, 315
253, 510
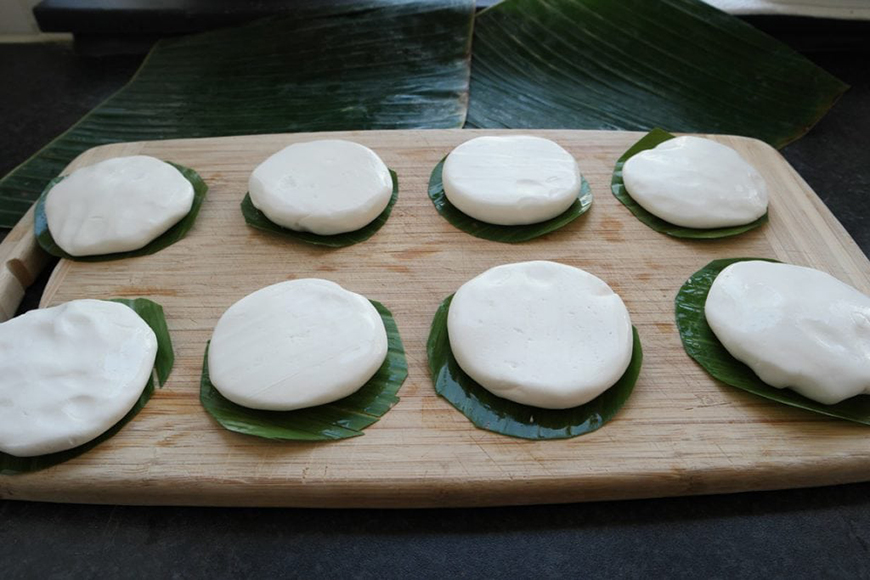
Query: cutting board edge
398, 493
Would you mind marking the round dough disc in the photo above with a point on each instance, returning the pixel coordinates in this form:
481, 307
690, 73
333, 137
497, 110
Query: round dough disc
116, 205
325, 187
696, 183
794, 327
69, 373
540, 333
296, 344
512, 180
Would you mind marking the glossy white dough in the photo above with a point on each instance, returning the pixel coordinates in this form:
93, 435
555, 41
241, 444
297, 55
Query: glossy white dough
69, 373
325, 187
696, 183
296, 344
511, 180
795, 327
116, 205
540, 333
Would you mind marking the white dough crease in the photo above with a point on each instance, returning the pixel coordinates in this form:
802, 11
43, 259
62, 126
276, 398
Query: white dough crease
795, 327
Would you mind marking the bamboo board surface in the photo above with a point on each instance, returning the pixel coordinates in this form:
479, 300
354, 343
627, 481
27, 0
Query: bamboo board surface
680, 433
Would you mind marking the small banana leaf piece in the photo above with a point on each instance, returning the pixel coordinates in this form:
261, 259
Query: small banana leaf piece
342, 419
257, 219
151, 313
703, 346
167, 238
650, 141
636, 64
331, 65
490, 412
497, 233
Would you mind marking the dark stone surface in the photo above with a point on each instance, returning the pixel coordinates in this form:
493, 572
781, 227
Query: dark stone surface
791, 534
46, 89
834, 157
815, 533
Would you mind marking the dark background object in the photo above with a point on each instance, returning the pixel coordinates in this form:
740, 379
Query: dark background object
814, 34
132, 26
812, 533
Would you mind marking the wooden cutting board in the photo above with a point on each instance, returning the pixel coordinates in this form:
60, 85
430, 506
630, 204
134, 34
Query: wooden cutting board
680, 432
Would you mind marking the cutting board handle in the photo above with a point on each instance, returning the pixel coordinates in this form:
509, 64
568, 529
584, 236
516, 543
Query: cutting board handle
21, 261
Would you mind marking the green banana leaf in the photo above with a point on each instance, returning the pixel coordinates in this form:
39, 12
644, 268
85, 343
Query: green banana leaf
151, 313
341, 419
650, 141
638, 64
167, 238
367, 64
257, 219
497, 233
492, 413
703, 346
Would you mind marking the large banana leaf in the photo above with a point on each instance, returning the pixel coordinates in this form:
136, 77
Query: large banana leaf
702, 345
639, 64
368, 64
166, 239
493, 413
341, 419
151, 313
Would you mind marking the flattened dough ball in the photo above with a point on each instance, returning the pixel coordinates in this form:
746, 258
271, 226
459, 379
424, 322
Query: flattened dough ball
116, 205
696, 183
324, 187
296, 344
512, 180
794, 327
540, 333
69, 373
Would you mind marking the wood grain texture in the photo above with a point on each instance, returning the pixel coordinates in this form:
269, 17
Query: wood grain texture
680, 432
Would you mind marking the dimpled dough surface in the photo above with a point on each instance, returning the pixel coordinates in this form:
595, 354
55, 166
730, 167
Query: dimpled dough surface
325, 187
540, 333
795, 327
696, 183
296, 344
511, 180
116, 205
70, 372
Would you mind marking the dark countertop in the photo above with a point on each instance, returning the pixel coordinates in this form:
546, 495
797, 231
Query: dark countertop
811, 533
